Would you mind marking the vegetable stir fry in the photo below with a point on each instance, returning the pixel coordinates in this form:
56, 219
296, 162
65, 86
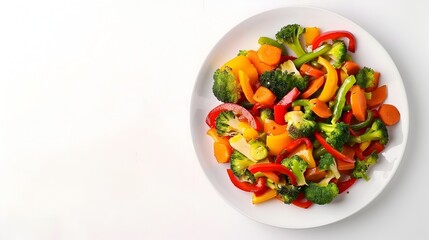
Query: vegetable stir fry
299, 120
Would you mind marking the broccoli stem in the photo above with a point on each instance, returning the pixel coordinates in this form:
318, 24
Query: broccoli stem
312, 55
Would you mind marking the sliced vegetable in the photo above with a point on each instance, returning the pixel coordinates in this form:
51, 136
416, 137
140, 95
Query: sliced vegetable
358, 103
237, 109
313, 86
389, 114
245, 186
273, 42
260, 66
269, 54
333, 35
310, 34
309, 70
272, 167
340, 99
330, 87
338, 155
264, 96
377, 96
320, 108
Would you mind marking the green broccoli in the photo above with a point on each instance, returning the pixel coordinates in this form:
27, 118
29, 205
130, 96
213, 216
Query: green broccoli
377, 132
337, 53
299, 124
298, 166
283, 79
267, 113
225, 87
290, 35
227, 123
336, 134
288, 192
321, 194
239, 164
361, 167
365, 78
327, 162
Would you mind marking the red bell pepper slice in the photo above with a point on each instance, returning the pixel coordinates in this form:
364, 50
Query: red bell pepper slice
289, 97
338, 155
237, 109
272, 167
335, 35
374, 146
279, 114
344, 185
245, 186
358, 152
291, 146
301, 201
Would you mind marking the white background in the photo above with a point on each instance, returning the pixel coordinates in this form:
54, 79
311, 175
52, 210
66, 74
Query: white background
94, 121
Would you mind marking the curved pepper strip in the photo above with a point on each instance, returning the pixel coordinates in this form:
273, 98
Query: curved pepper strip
291, 146
237, 109
273, 167
333, 35
368, 121
331, 83
344, 185
340, 100
245, 186
338, 155
301, 201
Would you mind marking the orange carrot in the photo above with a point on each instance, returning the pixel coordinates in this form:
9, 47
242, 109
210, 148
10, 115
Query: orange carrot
389, 114
377, 96
310, 70
245, 86
259, 65
269, 54
222, 152
264, 96
358, 103
313, 86
314, 174
351, 68
342, 165
272, 176
320, 108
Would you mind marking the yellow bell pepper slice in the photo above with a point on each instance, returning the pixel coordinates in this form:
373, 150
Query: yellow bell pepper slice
331, 83
305, 154
243, 63
276, 143
245, 86
270, 194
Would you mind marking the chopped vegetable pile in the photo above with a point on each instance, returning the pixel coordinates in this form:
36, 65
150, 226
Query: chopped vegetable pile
300, 121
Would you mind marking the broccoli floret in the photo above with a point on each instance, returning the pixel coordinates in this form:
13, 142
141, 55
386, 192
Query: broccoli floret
227, 123
290, 35
337, 53
298, 166
336, 134
321, 194
299, 125
267, 113
327, 162
288, 192
365, 78
361, 167
283, 79
276, 81
377, 132
239, 164
225, 87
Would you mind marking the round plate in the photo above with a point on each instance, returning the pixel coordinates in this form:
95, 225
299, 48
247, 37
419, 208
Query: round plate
369, 53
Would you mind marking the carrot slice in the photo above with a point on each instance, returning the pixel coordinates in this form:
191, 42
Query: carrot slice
351, 68
260, 66
320, 108
314, 174
264, 96
389, 114
245, 86
358, 103
269, 54
313, 86
377, 96
310, 70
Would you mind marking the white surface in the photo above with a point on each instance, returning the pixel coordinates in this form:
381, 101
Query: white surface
94, 121
369, 53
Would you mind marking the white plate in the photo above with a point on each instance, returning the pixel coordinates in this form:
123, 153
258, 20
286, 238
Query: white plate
368, 53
